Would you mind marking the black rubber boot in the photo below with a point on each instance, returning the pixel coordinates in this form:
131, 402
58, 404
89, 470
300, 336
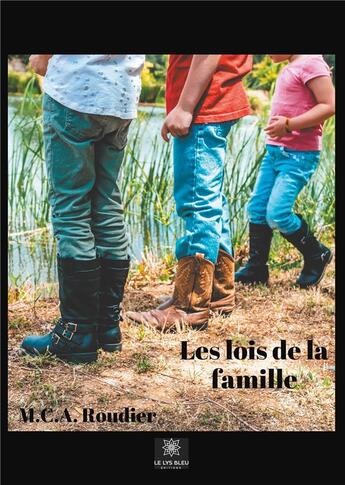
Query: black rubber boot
316, 255
74, 337
113, 279
256, 269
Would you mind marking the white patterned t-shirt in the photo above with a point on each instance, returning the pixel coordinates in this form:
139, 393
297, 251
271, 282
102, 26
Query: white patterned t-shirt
105, 84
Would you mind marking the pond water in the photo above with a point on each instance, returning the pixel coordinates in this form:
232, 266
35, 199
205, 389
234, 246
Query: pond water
152, 225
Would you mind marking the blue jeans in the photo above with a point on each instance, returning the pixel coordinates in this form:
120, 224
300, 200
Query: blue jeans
83, 156
198, 190
282, 175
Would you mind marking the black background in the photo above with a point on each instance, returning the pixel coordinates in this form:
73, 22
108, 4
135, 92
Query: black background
173, 27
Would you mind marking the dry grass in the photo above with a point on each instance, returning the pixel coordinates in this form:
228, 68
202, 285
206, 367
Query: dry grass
150, 376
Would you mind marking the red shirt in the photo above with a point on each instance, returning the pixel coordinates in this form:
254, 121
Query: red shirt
225, 98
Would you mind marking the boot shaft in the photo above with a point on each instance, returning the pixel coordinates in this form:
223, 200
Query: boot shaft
224, 277
193, 283
305, 242
256, 269
114, 275
260, 238
79, 283
223, 291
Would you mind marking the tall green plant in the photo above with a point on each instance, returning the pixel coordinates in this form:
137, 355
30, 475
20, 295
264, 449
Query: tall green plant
28, 186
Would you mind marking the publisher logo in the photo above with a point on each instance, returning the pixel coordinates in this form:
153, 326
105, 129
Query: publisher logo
171, 453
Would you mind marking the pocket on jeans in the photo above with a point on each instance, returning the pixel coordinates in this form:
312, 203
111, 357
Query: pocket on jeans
308, 165
310, 160
223, 128
121, 135
83, 125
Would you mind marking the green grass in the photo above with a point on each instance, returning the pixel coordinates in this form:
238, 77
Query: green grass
40, 361
143, 363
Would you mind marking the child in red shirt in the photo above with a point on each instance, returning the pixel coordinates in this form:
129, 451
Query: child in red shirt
204, 98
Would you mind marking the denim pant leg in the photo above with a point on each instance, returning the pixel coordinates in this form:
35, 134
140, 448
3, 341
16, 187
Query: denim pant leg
198, 178
69, 139
108, 223
295, 169
257, 205
225, 242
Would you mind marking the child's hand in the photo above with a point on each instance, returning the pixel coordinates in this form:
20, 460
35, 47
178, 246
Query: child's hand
39, 63
177, 123
277, 127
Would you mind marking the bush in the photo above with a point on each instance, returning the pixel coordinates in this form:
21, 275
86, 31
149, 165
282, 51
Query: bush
17, 82
13, 81
23, 57
149, 93
264, 74
152, 90
159, 63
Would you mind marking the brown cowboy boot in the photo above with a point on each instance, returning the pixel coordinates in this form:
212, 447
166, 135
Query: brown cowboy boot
190, 301
223, 294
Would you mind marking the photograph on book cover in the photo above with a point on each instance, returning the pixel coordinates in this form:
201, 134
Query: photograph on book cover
171, 225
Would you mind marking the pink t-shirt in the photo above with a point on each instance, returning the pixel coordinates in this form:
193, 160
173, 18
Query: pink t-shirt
292, 97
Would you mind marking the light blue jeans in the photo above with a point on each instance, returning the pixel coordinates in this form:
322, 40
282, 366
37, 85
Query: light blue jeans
199, 161
282, 175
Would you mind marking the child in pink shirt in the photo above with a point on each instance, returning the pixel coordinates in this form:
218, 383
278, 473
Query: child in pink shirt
304, 98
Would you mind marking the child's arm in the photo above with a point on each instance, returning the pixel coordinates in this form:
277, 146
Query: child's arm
39, 63
200, 74
323, 90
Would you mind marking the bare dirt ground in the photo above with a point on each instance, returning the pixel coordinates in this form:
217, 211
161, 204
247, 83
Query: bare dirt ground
149, 375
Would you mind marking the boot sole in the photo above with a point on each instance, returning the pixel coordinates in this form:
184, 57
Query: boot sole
84, 358
172, 329
80, 358
112, 347
304, 287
